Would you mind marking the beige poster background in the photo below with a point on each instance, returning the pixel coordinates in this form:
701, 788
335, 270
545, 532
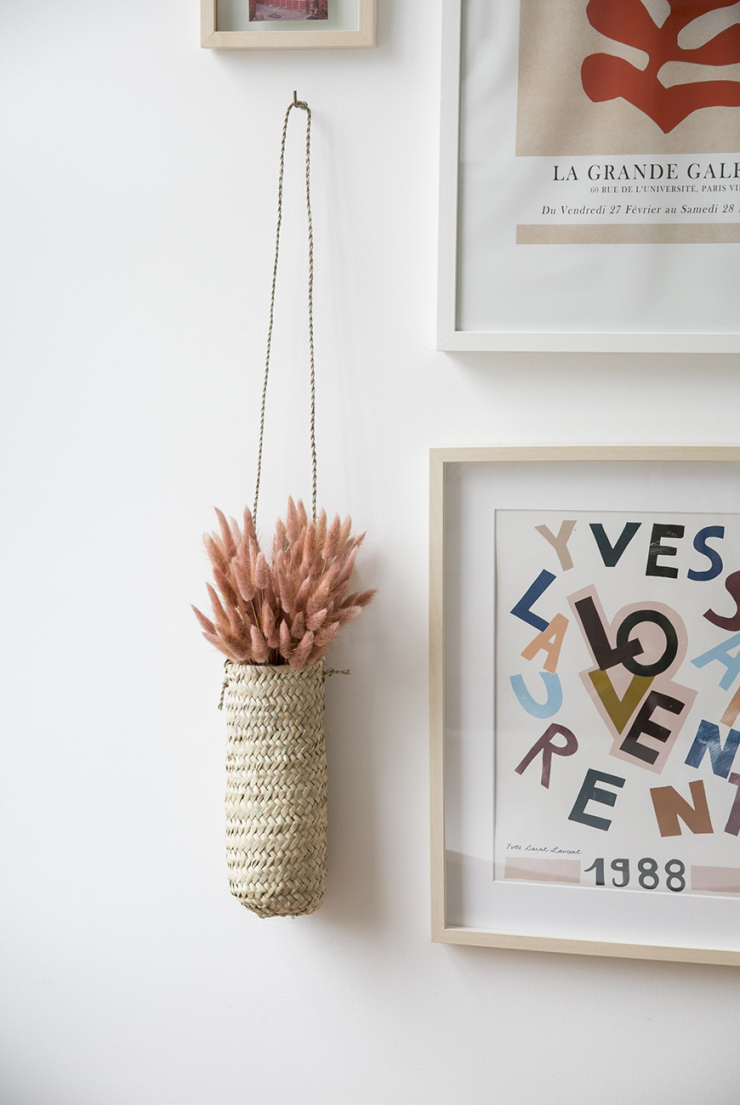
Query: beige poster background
556, 117
536, 835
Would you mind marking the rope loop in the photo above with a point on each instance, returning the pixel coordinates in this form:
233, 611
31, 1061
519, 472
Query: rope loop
302, 106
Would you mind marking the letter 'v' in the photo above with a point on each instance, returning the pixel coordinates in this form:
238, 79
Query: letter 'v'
612, 554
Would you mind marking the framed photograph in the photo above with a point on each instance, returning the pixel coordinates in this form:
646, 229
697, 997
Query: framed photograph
287, 24
585, 700
590, 175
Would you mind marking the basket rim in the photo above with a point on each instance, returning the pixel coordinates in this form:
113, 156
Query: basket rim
278, 668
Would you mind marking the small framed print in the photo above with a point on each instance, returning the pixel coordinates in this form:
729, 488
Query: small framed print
287, 24
585, 700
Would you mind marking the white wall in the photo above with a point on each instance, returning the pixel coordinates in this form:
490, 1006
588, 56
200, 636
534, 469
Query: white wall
137, 205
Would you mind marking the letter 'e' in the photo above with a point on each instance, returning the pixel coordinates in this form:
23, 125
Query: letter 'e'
589, 792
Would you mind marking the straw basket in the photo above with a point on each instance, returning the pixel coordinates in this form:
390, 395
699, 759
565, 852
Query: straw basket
276, 787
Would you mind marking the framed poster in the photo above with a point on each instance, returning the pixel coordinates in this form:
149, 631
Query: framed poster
286, 24
590, 177
585, 700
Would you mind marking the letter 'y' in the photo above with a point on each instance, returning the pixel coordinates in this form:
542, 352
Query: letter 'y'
560, 543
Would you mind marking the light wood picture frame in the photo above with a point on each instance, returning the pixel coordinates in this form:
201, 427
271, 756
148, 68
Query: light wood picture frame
628, 870
351, 25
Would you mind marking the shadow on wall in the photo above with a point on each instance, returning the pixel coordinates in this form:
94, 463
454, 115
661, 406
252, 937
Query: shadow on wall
353, 899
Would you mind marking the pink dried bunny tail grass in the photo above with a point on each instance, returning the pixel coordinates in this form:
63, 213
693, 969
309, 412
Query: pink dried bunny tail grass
288, 611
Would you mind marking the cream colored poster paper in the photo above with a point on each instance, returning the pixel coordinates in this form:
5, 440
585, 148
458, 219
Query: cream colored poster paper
615, 104
599, 167
617, 679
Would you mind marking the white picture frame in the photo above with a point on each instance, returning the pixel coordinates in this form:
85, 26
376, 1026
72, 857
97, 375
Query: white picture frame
352, 27
500, 288
468, 487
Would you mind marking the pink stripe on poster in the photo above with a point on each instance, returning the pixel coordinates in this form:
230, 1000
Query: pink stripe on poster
630, 234
544, 870
722, 880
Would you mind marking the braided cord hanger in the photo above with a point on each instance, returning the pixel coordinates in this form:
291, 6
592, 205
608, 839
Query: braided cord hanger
304, 107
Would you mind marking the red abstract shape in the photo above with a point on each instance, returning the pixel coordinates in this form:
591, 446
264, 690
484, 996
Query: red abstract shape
606, 77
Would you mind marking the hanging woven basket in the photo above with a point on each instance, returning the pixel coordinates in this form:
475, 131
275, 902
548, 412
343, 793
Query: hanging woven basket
275, 620
276, 788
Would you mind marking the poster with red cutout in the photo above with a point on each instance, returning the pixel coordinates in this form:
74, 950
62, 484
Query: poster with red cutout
591, 175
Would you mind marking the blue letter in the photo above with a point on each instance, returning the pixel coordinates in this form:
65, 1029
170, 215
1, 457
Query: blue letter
722, 653
700, 544
707, 737
554, 695
522, 609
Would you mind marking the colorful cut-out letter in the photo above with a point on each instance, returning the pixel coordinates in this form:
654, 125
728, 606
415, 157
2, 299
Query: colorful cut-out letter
548, 749
560, 543
722, 756
722, 653
552, 703
549, 641
589, 792
523, 608
669, 806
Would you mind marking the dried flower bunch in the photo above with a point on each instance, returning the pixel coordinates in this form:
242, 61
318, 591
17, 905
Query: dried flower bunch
290, 611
